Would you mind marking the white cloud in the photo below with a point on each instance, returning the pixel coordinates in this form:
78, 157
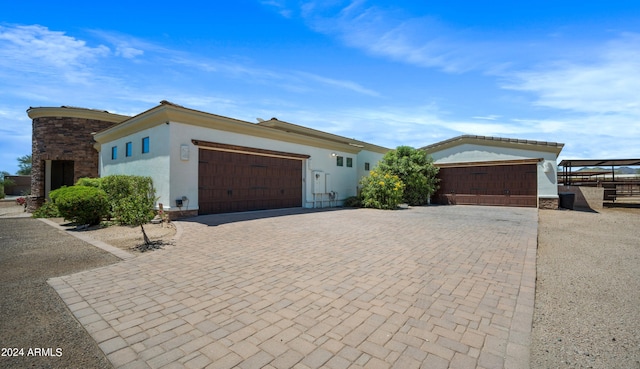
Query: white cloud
488, 117
609, 84
31, 48
341, 84
387, 32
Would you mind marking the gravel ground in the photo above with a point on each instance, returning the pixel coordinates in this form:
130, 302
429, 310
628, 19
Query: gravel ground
32, 314
125, 237
587, 309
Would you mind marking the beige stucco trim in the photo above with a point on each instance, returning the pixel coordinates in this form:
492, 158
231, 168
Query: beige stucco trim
216, 146
290, 127
551, 147
488, 163
167, 113
72, 112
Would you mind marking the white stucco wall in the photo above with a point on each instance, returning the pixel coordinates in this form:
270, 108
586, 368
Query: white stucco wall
465, 153
373, 158
184, 173
155, 163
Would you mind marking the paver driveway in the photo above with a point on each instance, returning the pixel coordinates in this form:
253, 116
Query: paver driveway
430, 287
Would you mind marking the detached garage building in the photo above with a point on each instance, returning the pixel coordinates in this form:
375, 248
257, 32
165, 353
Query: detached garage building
480, 170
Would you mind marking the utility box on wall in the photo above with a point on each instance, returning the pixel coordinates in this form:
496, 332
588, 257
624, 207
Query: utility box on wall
318, 182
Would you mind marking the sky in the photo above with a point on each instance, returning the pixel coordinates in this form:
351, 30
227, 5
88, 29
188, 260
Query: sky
391, 73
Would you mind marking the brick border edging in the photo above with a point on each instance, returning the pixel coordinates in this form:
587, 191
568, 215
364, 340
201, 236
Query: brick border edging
96, 326
119, 253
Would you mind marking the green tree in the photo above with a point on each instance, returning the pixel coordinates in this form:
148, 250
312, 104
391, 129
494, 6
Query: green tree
132, 199
415, 169
24, 163
4, 182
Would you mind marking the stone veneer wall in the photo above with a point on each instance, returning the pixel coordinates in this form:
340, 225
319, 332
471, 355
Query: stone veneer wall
62, 138
548, 203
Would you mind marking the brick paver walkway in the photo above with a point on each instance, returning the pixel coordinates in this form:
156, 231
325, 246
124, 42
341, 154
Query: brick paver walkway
432, 287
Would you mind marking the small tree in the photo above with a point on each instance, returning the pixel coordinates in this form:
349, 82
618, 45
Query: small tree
24, 163
415, 169
132, 199
3, 182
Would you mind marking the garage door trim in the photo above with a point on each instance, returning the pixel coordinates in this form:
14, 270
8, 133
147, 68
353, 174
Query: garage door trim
247, 150
488, 163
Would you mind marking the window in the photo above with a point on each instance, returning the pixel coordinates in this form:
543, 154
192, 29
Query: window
114, 153
349, 162
366, 166
128, 149
340, 161
145, 145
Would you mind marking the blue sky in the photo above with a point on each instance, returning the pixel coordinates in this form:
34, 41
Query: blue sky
387, 72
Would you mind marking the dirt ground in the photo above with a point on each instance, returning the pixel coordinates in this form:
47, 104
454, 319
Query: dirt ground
32, 315
587, 308
125, 237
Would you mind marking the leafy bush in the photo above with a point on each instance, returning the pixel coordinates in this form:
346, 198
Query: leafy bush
81, 204
415, 169
132, 198
47, 210
89, 182
353, 202
4, 182
382, 190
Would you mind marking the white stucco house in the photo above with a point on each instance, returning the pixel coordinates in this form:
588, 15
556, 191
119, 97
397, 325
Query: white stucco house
484, 170
203, 163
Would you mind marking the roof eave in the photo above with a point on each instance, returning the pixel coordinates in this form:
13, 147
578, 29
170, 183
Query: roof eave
552, 147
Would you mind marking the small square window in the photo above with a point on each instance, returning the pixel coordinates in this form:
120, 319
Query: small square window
129, 150
366, 166
114, 152
145, 145
349, 162
340, 161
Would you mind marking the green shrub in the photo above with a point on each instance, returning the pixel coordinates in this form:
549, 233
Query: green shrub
89, 182
415, 169
47, 210
381, 190
352, 202
132, 198
81, 204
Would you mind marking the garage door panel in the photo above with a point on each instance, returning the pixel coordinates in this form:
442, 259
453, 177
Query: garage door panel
511, 185
231, 182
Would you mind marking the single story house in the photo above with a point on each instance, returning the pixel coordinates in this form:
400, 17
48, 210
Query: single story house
202, 163
482, 170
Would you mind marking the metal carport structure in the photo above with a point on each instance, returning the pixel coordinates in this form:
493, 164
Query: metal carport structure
568, 164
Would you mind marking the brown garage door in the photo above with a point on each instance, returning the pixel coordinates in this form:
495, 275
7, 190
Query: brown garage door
508, 185
231, 182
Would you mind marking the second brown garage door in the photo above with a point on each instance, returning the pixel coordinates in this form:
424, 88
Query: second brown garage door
232, 182
508, 185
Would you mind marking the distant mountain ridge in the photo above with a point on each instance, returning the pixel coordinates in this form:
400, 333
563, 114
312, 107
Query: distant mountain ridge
621, 170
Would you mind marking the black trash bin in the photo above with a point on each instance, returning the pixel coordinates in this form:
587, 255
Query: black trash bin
567, 199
